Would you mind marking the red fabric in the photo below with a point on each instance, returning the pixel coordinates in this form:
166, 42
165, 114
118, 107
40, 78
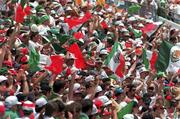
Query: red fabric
8, 63
24, 59
56, 64
104, 25
128, 44
121, 68
79, 61
78, 35
2, 109
68, 71
72, 22
27, 10
12, 72
153, 60
24, 51
19, 16
148, 28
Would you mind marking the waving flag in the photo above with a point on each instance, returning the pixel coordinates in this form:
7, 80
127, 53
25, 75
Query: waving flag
56, 64
115, 60
79, 61
168, 57
74, 22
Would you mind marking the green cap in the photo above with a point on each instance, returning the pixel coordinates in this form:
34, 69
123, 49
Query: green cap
44, 18
161, 74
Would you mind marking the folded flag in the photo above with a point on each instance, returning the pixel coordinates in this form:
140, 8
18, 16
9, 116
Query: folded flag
73, 22
115, 60
79, 61
168, 57
134, 8
56, 64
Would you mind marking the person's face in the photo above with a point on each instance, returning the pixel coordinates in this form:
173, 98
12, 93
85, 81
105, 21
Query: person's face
70, 62
46, 23
143, 75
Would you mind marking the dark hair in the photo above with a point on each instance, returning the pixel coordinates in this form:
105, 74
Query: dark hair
147, 115
50, 108
33, 34
75, 106
38, 109
61, 106
58, 85
87, 104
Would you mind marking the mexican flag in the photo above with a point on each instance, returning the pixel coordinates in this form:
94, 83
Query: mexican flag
149, 59
168, 57
78, 21
115, 60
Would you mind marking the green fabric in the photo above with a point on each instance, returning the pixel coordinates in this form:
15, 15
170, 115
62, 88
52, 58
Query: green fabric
134, 8
34, 58
3, 70
44, 18
126, 110
10, 114
23, 2
163, 56
137, 33
145, 60
83, 116
53, 96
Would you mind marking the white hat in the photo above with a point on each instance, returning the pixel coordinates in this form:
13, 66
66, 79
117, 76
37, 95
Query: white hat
28, 105
104, 52
142, 69
11, 101
105, 100
89, 78
68, 8
41, 102
34, 28
118, 14
2, 78
140, 25
119, 23
128, 116
132, 19
76, 87
98, 89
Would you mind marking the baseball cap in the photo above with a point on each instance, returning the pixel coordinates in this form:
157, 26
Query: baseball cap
98, 89
89, 78
118, 91
11, 101
105, 100
2, 78
40, 102
28, 106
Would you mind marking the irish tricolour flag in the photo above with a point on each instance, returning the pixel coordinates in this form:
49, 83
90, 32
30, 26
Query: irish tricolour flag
115, 60
168, 57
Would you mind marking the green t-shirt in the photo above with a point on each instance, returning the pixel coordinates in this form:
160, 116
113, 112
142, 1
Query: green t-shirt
11, 114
